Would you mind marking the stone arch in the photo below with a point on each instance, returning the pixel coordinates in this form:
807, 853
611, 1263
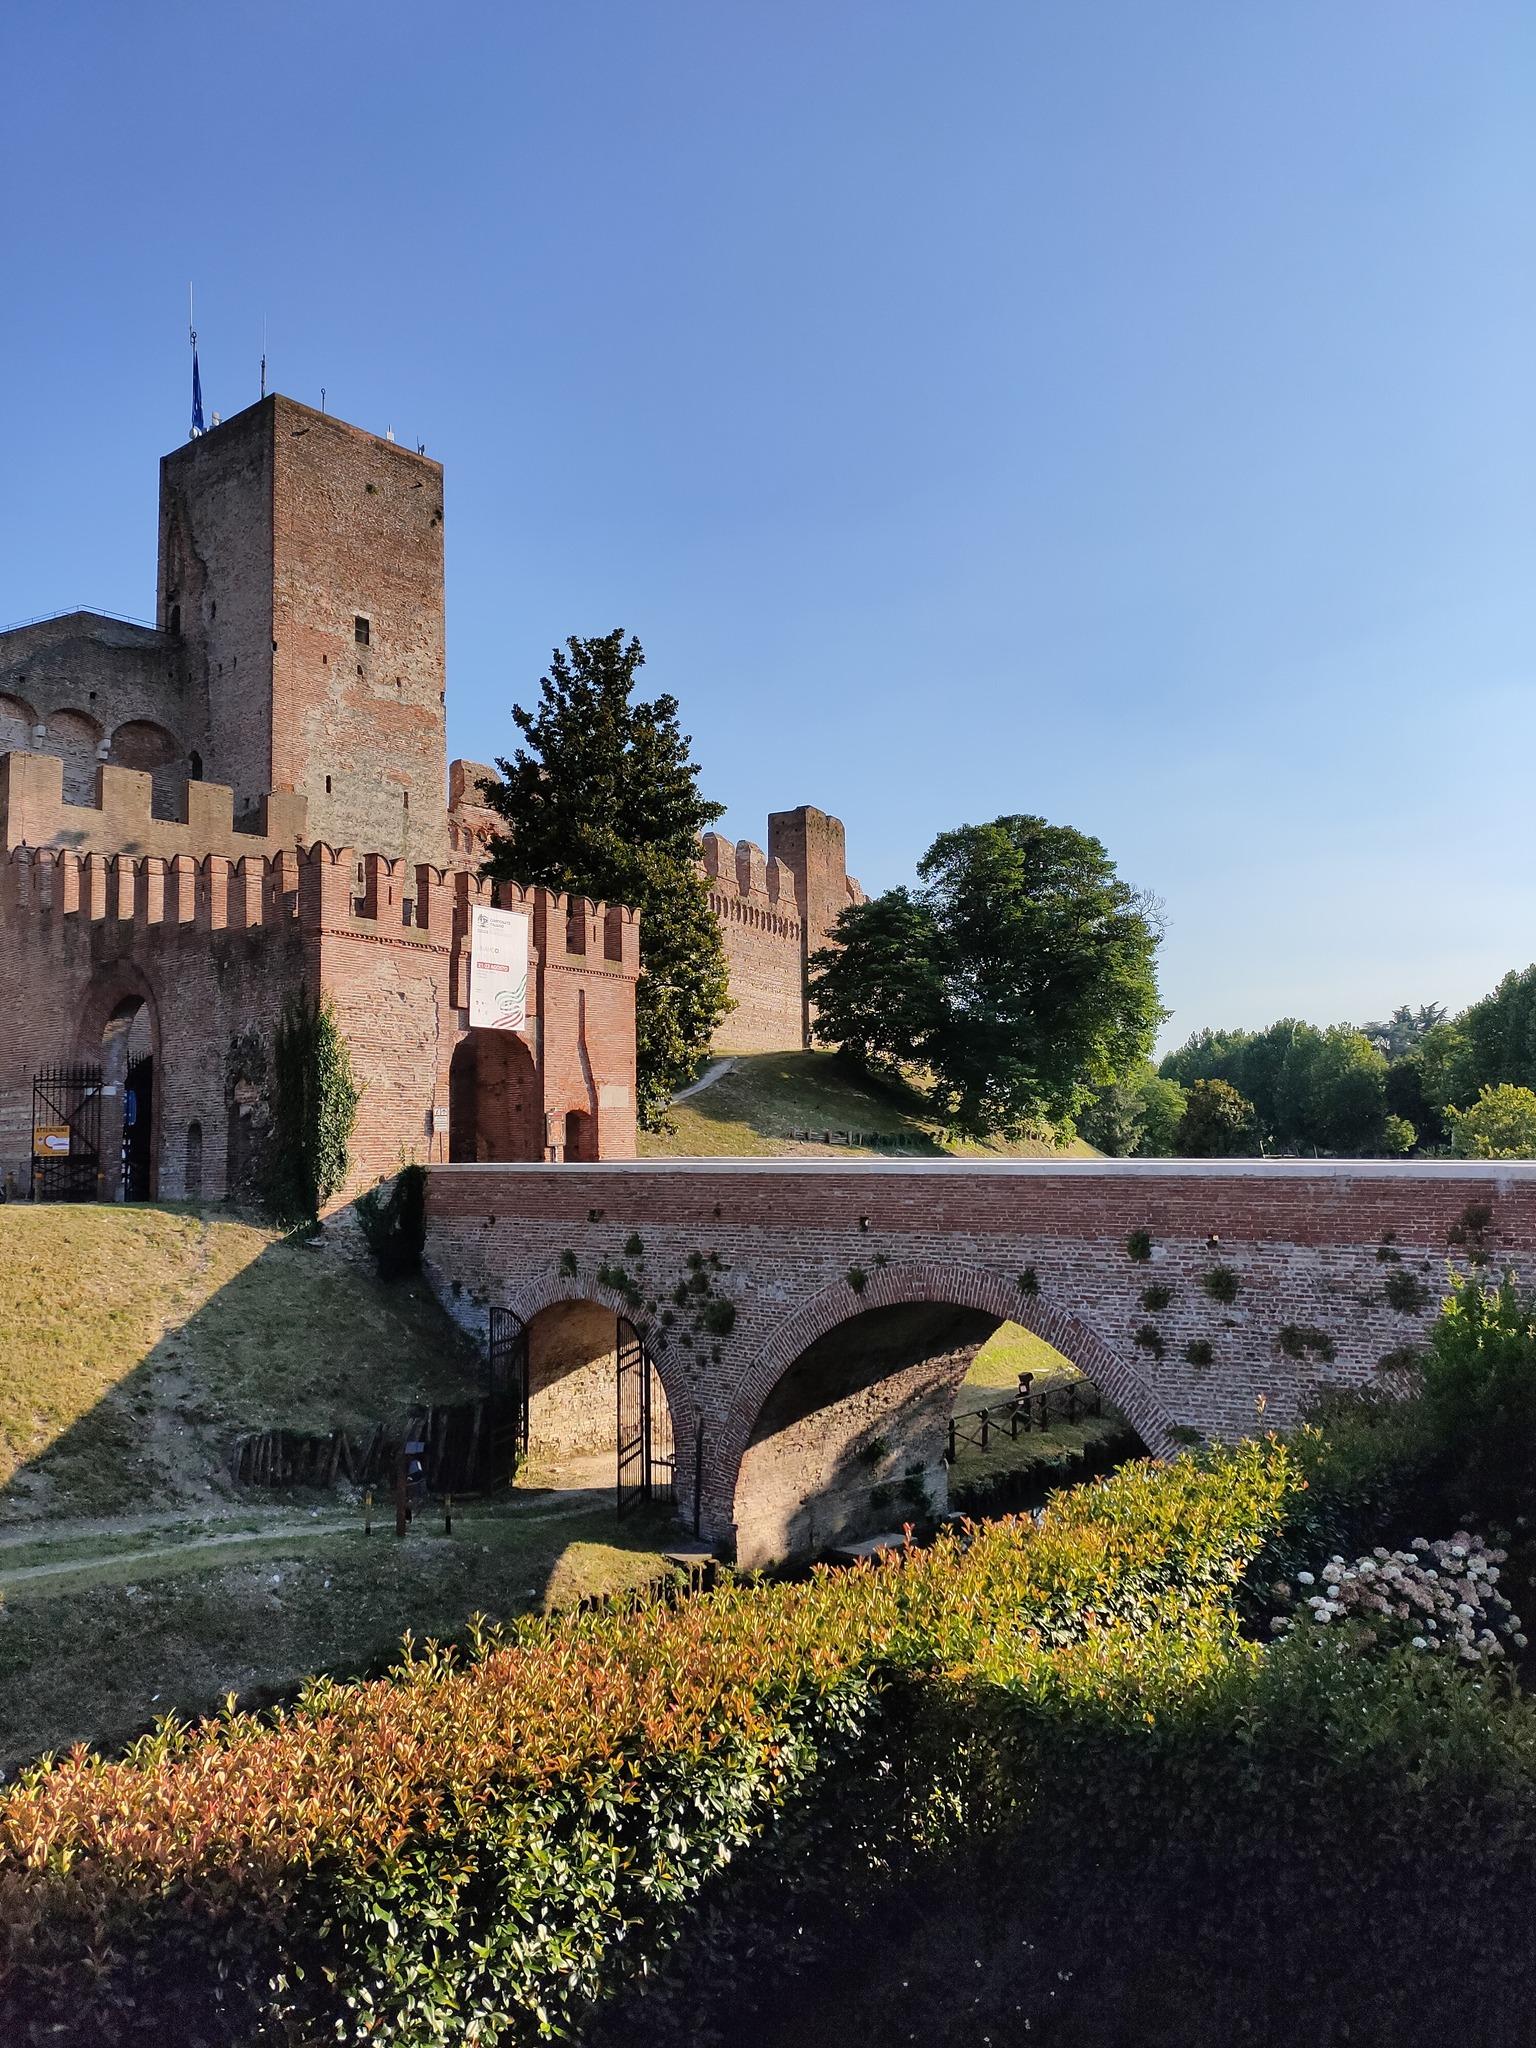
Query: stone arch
142, 744
18, 724
76, 738
769, 1512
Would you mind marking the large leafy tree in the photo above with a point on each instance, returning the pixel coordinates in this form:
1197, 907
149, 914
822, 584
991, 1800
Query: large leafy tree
1020, 975
1217, 1123
602, 800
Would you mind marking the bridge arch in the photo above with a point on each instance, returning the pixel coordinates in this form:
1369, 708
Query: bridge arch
564, 1342
806, 1415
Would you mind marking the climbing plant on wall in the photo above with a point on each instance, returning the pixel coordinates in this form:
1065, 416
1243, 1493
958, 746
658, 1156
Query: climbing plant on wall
314, 1110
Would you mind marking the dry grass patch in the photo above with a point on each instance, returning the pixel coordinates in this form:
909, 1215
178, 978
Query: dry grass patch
135, 1342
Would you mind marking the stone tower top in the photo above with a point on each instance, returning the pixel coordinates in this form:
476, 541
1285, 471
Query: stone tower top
301, 585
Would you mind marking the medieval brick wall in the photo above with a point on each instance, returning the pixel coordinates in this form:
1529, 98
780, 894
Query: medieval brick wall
806, 1248
775, 909
87, 689
212, 948
123, 815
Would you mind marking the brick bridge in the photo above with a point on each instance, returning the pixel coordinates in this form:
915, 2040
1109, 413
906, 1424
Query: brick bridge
810, 1321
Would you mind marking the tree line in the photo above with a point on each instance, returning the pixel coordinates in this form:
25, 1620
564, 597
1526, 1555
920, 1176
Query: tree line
1418, 1081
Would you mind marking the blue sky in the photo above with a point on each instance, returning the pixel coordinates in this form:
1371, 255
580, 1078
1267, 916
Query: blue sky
1119, 412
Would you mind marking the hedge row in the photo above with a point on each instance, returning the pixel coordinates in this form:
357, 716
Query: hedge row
483, 1845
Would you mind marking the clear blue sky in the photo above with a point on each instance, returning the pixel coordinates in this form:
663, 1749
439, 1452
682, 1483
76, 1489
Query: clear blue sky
1121, 412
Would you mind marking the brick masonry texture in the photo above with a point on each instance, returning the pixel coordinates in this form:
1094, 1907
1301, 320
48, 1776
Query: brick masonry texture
1302, 1238
212, 948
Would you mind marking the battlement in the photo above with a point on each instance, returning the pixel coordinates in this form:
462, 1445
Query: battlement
34, 812
746, 887
322, 890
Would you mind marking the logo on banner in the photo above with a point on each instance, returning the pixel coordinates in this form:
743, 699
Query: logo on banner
498, 969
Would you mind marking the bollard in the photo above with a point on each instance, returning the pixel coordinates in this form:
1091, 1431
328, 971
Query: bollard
447, 1514
368, 1512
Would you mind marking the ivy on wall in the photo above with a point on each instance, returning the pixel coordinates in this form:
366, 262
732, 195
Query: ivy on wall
314, 1110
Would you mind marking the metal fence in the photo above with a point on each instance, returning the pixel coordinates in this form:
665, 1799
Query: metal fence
1028, 1410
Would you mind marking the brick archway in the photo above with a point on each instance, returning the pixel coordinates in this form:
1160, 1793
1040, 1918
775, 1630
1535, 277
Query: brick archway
533, 1296
898, 1285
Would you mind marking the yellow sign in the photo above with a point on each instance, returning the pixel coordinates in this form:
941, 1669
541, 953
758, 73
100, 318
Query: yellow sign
50, 1141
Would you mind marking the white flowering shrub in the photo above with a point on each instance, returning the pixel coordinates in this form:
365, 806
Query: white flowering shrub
1432, 1597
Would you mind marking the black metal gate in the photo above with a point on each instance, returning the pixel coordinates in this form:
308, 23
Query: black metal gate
647, 1463
507, 1420
66, 1134
138, 1127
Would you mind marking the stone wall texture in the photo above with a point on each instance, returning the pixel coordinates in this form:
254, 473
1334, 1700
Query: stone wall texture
805, 1247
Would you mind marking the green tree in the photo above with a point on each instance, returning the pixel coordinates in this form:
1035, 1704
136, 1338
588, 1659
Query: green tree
1020, 975
1138, 1114
1163, 1104
1217, 1123
1501, 1124
603, 801
1345, 1098
1500, 1035
1447, 1069
1397, 1035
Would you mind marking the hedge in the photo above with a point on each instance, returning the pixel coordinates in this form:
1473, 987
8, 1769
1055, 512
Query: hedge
487, 1843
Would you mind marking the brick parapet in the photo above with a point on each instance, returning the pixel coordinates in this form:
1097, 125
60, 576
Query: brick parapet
121, 819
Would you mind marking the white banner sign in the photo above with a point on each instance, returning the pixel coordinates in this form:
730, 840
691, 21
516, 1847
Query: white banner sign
498, 969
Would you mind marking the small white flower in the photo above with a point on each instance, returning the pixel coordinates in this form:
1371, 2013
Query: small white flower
1305, 1579
1419, 1643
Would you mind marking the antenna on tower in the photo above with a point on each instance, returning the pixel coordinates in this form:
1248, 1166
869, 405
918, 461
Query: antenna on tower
322, 398
263, 355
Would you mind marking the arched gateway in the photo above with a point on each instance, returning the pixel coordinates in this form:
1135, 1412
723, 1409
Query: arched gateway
808, 1319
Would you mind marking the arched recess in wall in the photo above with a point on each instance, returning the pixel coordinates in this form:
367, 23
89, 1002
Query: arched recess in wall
855, 1390
18, 722
76, 738
193, 1185
141, 744
119, 1030
493, 1099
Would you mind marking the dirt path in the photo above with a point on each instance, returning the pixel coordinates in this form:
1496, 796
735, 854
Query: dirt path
554, 1505
707, 1079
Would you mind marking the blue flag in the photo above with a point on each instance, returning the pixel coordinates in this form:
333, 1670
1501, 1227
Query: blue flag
197, 395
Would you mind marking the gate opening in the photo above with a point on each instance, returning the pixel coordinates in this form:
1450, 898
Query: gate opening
66, 1134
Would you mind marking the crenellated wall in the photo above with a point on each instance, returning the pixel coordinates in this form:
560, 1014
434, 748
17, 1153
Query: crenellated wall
125, 818
775, 909
210, 950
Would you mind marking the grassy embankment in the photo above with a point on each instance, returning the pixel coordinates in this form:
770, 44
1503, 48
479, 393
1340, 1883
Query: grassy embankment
135, 1344
752, 1110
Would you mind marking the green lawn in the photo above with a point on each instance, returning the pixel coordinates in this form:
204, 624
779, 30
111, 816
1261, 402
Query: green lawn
753, 1109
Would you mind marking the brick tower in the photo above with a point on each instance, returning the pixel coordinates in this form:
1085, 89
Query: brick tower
301, 580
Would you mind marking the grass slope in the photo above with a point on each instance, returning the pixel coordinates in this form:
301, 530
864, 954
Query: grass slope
752, 1110
135, 1343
